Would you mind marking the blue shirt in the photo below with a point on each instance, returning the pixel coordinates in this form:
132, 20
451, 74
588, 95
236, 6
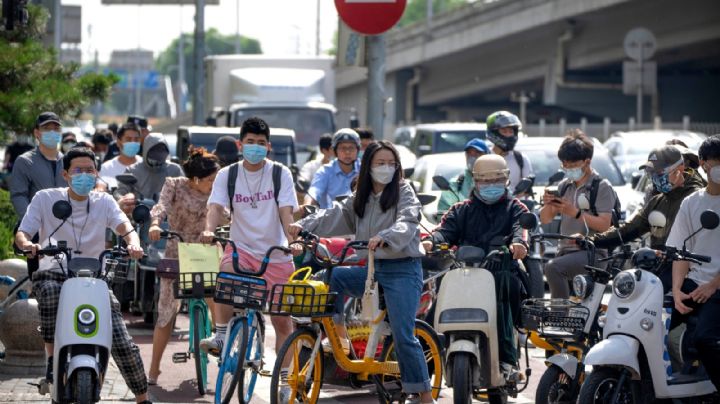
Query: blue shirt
330, 182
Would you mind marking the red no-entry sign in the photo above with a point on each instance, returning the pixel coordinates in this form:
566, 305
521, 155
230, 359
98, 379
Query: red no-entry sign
370, 17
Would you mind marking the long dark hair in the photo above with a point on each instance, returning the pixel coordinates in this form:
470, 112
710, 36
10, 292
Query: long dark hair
391, 194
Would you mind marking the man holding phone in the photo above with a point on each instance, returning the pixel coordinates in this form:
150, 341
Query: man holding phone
575, 154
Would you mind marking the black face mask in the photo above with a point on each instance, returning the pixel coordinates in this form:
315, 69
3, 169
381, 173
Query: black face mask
156, 156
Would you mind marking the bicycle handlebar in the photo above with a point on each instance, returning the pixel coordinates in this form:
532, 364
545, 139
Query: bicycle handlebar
308, 238
235, 261
168, 234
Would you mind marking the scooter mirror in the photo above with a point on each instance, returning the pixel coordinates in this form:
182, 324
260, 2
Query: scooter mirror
141, 214
709, 220
62, 209
426, 199
408, 172
555, 178
583, 202
524, 186
127, 179
528, 221
441, 182
657, 219
470, 254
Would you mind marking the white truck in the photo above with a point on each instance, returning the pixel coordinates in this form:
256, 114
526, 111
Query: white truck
297, 93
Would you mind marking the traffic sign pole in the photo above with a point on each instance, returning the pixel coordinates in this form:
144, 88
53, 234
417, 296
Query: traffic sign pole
639, 113
376, 84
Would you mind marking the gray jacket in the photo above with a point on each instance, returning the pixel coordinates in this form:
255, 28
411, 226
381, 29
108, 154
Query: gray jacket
150, 180
398, 226
31, 173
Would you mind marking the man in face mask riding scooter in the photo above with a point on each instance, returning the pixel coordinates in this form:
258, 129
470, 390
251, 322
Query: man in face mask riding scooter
490, 218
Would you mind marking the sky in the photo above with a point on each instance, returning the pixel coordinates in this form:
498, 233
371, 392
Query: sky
282, 26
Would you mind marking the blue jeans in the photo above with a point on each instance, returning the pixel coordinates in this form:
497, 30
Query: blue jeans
401, 280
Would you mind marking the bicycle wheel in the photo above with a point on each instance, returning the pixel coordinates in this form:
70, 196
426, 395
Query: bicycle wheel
301, 365
199, 326
253, 358
231, 361
433, 357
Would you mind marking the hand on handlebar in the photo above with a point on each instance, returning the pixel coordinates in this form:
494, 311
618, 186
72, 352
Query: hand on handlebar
518, 250
135, 251
206, 237
154, 232
427, 245
294, 230
30, 249
375, 242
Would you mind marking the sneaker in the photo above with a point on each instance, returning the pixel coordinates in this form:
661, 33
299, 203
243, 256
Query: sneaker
327, 346
284, 394
212, 346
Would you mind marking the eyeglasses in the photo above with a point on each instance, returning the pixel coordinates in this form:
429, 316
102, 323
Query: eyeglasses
82, 170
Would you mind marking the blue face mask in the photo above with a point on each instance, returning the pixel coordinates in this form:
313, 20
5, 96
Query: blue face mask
82, 183
491, 193
254, 153
50, 139
573, 174
131, 149
662, 183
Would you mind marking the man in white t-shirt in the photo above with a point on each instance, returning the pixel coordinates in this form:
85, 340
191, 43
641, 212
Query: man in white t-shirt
84, 232
696, 288
128, 141
259, 221
308, 170
503, 130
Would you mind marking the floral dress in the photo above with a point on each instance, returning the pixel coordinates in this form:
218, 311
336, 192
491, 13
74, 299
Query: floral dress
185, 210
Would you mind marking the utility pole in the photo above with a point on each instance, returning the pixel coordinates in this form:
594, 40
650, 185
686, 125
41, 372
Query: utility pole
198, 63
376, 84
237, 27
317, 28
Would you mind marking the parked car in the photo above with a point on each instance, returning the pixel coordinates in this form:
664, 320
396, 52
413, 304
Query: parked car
404, 135
171, 139
448, 165
445, 137
282, 142
631, 149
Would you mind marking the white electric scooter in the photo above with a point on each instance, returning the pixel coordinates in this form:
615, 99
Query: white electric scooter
83, 326
632, 363
466, 313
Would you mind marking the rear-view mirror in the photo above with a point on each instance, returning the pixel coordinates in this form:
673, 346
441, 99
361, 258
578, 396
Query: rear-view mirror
524, 186
408, 172
141, 214
62, 209
709, 220
635, 179
426, 199
441, 182
528, 221
127, 179
555, 178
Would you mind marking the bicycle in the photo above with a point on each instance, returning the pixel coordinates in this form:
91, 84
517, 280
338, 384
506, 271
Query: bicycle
242, 353
193, 287
303, 352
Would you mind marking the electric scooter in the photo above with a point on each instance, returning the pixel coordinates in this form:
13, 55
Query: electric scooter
466, 313
83, 326
632, 363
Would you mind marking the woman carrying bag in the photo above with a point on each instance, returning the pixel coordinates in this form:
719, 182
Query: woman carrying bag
383, 210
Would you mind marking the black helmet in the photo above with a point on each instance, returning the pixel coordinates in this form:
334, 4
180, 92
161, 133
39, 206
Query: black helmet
503, 119
645, 258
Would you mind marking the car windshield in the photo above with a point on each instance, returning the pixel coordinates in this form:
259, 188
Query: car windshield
308, 124
546, 163
281, 146
455, 141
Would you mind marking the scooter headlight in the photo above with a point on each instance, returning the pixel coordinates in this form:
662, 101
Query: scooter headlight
582, 286
86, 316
624, 285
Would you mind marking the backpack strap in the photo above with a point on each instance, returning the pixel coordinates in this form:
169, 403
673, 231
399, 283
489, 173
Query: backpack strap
277, 181
594, 187
232, 178
519, 160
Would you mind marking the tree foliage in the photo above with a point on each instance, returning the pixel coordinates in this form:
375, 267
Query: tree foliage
416, 10
32, 80
215, 44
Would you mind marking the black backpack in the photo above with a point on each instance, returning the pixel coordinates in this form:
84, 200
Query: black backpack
594, 188
232, 178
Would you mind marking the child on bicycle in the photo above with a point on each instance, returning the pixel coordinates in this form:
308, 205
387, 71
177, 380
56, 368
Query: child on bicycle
384, 210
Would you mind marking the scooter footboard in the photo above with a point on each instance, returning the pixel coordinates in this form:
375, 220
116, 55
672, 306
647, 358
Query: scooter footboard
616, 350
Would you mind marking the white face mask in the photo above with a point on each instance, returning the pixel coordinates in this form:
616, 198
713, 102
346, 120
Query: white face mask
714, 174
383, 174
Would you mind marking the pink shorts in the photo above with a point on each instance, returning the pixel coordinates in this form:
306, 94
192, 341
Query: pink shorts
276, 273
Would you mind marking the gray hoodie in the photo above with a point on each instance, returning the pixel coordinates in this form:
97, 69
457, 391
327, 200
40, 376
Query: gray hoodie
150, 180
398, 226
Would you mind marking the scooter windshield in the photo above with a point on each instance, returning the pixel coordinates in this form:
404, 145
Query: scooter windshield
76, 264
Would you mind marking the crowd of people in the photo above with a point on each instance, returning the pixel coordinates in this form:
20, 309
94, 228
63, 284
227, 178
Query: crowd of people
357, 182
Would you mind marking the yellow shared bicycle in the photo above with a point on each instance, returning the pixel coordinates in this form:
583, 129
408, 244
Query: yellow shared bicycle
306, 364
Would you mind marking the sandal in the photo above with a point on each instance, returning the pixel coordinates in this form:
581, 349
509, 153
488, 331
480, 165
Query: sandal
152, 381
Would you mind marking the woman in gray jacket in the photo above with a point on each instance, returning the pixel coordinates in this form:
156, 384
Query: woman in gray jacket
383, 210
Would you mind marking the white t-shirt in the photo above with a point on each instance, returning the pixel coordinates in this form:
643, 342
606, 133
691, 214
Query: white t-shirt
308, 170
706, 242
515, 175
84, 231
254, 230
111, 168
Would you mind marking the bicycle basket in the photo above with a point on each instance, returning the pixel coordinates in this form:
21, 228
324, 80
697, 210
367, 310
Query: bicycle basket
558, 318
194, 285
302, 299
241, 291
117, 270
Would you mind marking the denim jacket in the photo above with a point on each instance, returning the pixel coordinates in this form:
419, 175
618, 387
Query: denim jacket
398, 226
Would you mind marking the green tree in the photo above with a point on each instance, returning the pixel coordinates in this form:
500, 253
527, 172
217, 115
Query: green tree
32, 80
215, 44
416, 10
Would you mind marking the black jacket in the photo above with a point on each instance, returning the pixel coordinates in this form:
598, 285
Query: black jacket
473, 222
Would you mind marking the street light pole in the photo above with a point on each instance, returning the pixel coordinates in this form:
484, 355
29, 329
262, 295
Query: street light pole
198, 63
376, 84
